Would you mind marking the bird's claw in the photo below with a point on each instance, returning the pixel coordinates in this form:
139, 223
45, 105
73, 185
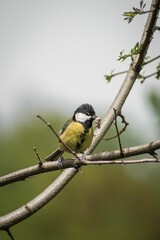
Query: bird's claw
82, 157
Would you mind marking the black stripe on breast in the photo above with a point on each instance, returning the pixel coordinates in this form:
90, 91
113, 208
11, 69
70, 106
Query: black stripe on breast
82, 139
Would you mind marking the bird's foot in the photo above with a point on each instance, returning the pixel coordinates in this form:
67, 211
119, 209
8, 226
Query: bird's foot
82, 156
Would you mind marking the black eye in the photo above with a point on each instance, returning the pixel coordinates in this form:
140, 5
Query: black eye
87, 114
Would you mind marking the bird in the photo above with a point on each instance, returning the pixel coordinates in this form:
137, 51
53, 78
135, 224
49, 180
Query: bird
77, 133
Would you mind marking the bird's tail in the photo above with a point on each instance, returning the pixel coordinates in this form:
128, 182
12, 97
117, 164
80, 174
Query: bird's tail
54, 155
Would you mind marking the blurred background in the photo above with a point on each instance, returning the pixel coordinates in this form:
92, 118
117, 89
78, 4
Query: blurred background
54, 55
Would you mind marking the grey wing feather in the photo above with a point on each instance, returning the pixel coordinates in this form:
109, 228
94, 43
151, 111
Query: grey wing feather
65, 126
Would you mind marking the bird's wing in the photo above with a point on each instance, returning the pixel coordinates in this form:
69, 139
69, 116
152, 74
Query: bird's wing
65, 126
57, 153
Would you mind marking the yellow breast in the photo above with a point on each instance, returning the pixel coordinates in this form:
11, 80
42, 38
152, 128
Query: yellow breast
76, 137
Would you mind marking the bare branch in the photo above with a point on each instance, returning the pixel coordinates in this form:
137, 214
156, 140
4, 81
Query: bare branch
143, 78
118, 133
151, 60
111, 75
130, 77
22, 174
37, 203
123, 162
9, 234
37, 154
49, 193
157, 28
122, 130
127, 152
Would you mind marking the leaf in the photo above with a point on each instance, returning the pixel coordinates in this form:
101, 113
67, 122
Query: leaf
141, 4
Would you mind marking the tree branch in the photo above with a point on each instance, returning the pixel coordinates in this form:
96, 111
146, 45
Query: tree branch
127, 152
22, 174
151, 60
49, 193
9, 234
123, 162
131, 76
37, 203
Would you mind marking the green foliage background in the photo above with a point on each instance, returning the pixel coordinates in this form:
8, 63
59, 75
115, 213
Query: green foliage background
103, 202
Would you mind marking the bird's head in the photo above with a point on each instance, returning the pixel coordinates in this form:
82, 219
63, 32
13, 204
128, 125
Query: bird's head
85, 114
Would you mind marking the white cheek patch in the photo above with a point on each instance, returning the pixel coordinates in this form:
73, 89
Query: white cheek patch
81, 117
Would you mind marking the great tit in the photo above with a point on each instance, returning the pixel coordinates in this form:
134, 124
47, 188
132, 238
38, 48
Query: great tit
77, 132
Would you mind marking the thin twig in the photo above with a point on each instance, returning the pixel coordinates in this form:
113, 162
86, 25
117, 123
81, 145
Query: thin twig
121, 131
145, 77
118, 134
148, 148
38, 202
154, 154
9, 234
37, 154
50, 126
157, 28
109, 77
151, 60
